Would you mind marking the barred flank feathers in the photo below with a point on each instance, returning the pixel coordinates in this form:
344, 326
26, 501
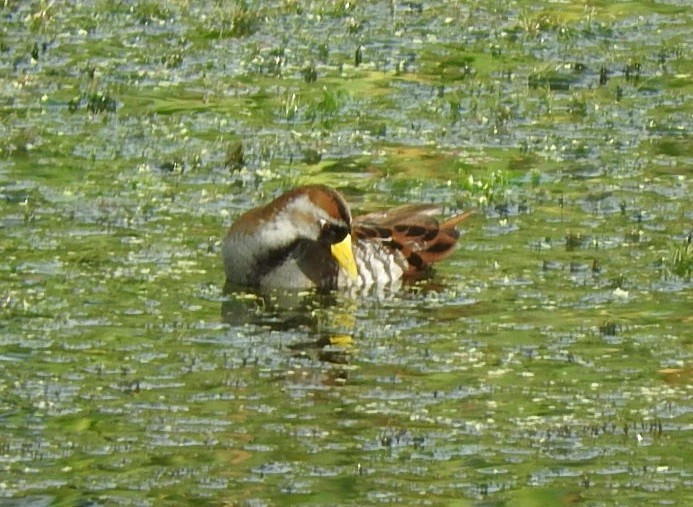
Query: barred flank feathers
412, 231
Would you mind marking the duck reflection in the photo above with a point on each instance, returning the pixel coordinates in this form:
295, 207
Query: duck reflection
327, 318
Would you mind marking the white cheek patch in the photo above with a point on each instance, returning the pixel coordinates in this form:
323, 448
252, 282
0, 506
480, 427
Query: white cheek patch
241, 251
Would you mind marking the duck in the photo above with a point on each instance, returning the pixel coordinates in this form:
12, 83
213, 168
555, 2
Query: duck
306, 239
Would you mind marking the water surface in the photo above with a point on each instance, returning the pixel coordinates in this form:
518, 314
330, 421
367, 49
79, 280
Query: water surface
546, 363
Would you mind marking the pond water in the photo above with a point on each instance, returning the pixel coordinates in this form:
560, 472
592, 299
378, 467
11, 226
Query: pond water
547, 362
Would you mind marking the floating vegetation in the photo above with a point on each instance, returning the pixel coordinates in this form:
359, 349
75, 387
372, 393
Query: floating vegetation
234, 19
94, 103
288, 106
311, 156
634, 235
574, 241
487, 188
234, 159
150, 12
173, 60
632, 72
326, 109
358, 56
679, 260
172, 166
552, 80
310, 73
608, 328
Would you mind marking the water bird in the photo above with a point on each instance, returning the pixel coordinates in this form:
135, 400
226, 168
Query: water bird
306, 238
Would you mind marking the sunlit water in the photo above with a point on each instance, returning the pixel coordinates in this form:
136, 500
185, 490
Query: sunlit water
546, 363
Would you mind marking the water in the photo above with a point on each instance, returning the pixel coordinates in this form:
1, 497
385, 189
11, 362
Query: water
546, 362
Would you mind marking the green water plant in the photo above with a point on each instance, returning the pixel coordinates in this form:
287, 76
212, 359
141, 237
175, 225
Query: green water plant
326, 108
486, 187
679, 259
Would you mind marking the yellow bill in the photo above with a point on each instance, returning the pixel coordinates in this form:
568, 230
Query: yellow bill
345, 256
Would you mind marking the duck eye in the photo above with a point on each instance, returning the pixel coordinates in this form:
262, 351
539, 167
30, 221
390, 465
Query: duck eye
332, 233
